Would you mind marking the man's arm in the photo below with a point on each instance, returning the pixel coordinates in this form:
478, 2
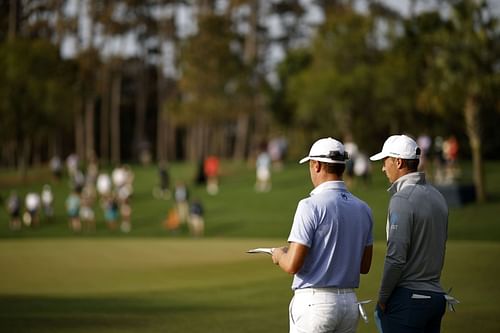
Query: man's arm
290, 258
400, 226
366, 261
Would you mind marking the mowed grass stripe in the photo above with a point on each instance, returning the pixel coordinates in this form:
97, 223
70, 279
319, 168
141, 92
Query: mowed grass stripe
63, 266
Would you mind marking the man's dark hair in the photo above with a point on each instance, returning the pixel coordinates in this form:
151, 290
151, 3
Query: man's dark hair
336, 168
412, 165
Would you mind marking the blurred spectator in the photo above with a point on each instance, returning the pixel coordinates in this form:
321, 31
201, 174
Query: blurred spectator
14, 210
89, 189
123, 179
77, 180
163, 191
72, 162
111, 212
424, 142
277, 150
211, 168
126, 213
263, 171
439, 160
450, 151
87, 215
48, 202
172, 222
73, 210
104, 185
362, 167
32, 203
56, 167
200, 173
119, 176
181, 196
196, 221
352, 150
92, 169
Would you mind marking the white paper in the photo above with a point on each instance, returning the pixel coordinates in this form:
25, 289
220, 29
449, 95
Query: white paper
268, 250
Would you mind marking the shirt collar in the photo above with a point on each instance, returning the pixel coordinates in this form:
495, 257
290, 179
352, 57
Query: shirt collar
408, 179
329, 185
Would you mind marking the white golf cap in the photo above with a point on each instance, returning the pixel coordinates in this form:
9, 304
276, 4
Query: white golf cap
327, 150
400, 146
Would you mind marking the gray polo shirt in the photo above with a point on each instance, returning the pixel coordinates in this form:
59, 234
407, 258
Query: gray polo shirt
417, 226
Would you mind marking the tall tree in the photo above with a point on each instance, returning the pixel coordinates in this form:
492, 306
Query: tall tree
462, 75
209, 82
338, 83
36, 93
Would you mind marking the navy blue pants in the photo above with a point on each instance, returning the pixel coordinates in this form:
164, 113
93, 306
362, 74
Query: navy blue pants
411, 311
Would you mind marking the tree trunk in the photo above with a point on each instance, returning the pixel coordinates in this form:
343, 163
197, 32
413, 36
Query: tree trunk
161, 148
105, 111
89, 128
24, 157
79, 133
473, 126
140, 108
115, 118
14, 10
241, 144
162, 139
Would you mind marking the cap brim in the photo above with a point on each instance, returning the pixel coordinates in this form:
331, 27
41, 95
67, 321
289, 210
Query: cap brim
378, 156
305, 159
320, 159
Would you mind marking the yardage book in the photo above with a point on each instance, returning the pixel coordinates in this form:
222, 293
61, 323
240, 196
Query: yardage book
268, 250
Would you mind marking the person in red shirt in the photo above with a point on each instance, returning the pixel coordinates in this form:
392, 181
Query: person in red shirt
211, 168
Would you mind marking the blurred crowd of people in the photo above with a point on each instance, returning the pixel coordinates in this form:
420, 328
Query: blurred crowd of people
88, 188
185, 211
439, 158
91, 188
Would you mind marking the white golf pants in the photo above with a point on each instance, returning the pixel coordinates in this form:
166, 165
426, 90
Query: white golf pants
323, 310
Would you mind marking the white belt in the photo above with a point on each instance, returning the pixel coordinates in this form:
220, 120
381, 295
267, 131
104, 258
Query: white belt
324, 290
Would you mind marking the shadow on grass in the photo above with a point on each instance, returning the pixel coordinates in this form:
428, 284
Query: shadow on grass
96, 314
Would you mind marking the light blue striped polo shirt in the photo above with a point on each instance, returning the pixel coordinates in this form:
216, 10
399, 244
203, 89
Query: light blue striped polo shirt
336, 226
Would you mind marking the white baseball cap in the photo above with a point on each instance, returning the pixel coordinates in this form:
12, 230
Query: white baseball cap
400, 146
327, 150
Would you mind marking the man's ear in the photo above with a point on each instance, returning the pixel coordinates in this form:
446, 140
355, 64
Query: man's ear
400, 163
316, 166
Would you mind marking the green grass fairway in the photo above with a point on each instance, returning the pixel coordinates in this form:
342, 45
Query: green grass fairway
52, 280
168, 285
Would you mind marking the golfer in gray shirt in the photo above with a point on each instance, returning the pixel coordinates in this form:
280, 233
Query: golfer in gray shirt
411, 298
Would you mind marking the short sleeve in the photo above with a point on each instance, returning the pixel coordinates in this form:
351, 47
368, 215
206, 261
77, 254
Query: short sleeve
304, 226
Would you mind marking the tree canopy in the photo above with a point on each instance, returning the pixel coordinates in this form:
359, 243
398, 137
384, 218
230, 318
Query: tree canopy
180, 79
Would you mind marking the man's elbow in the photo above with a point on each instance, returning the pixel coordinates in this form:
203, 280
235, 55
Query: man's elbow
291, 270
365, 270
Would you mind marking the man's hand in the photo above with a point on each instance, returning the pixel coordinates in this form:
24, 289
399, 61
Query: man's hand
382, 306
277, 253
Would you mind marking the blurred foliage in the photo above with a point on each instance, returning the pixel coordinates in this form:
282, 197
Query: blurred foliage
358, 74
36, 90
